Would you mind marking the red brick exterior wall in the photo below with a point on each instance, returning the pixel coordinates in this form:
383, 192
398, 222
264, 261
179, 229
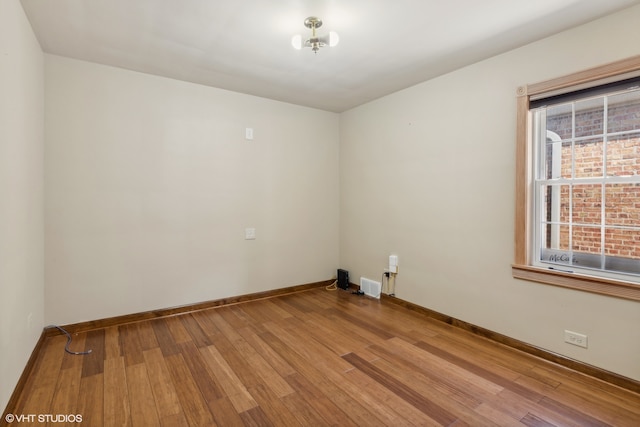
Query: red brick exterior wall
622, 201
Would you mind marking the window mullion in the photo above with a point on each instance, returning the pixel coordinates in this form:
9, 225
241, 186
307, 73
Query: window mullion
572, 178
603, 194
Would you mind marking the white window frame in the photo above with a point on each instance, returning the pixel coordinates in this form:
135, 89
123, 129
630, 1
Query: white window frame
540, 182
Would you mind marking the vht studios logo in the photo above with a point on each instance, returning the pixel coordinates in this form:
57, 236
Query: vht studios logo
43, 418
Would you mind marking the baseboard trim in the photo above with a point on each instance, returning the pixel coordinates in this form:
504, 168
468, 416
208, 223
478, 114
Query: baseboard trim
22, 381
593, 371
188, 308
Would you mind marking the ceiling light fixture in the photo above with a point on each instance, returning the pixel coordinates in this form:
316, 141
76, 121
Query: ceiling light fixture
315, 42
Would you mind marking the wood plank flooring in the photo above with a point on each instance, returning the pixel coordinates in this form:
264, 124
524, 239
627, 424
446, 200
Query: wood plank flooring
311, 358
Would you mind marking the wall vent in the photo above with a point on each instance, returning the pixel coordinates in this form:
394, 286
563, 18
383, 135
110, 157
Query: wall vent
370, 287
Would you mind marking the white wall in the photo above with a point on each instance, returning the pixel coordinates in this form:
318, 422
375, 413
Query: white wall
150, 184
21, 194
428, 174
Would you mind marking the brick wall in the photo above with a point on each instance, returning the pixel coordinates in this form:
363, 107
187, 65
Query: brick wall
622, 201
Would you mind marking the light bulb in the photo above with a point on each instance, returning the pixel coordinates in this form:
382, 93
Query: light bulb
333, 38
296, 41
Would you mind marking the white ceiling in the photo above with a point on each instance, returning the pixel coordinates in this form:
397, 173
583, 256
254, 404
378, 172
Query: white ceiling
244, 45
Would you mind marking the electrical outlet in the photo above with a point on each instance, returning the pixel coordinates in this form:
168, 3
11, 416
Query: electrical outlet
393, 264
575, 338
250, 234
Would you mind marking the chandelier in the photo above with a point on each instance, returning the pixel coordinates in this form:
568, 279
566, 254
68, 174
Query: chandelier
315, 42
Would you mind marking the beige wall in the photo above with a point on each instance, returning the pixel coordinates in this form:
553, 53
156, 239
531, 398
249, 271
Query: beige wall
428, 174
21, 194
150, 185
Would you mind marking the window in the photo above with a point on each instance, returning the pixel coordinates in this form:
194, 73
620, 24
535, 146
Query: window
586, 157
578, 181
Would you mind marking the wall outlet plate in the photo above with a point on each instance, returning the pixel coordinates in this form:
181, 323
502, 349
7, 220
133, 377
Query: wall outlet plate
575, 338
393, 263
249, 234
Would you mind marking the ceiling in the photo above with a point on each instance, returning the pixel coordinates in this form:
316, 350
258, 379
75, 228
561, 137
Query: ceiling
245, 45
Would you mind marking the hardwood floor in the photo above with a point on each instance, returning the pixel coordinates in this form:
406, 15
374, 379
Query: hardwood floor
310, 358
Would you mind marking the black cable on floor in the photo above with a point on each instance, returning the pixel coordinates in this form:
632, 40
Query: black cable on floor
66, 347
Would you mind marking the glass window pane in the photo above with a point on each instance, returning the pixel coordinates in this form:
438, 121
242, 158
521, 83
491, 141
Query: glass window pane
556, 203
566, 160
589, 117
624, 112
555, 237
622, 242
623, 155
560, 120
587, 204
557, 159
558, 149
622, 203
586, 240
588, 160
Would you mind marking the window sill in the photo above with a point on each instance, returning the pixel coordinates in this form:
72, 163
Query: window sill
613, 288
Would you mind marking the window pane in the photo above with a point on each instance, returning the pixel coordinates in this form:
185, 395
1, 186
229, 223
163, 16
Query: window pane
557, 158
623, 155
559, 135
556, 237
560, 120
588, 160
589, 119
622, 203
556, 203
555, 245
623, 243
624, 112
587, 204
586, 240
553, 157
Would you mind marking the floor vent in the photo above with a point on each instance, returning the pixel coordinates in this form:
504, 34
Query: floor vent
370, 287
